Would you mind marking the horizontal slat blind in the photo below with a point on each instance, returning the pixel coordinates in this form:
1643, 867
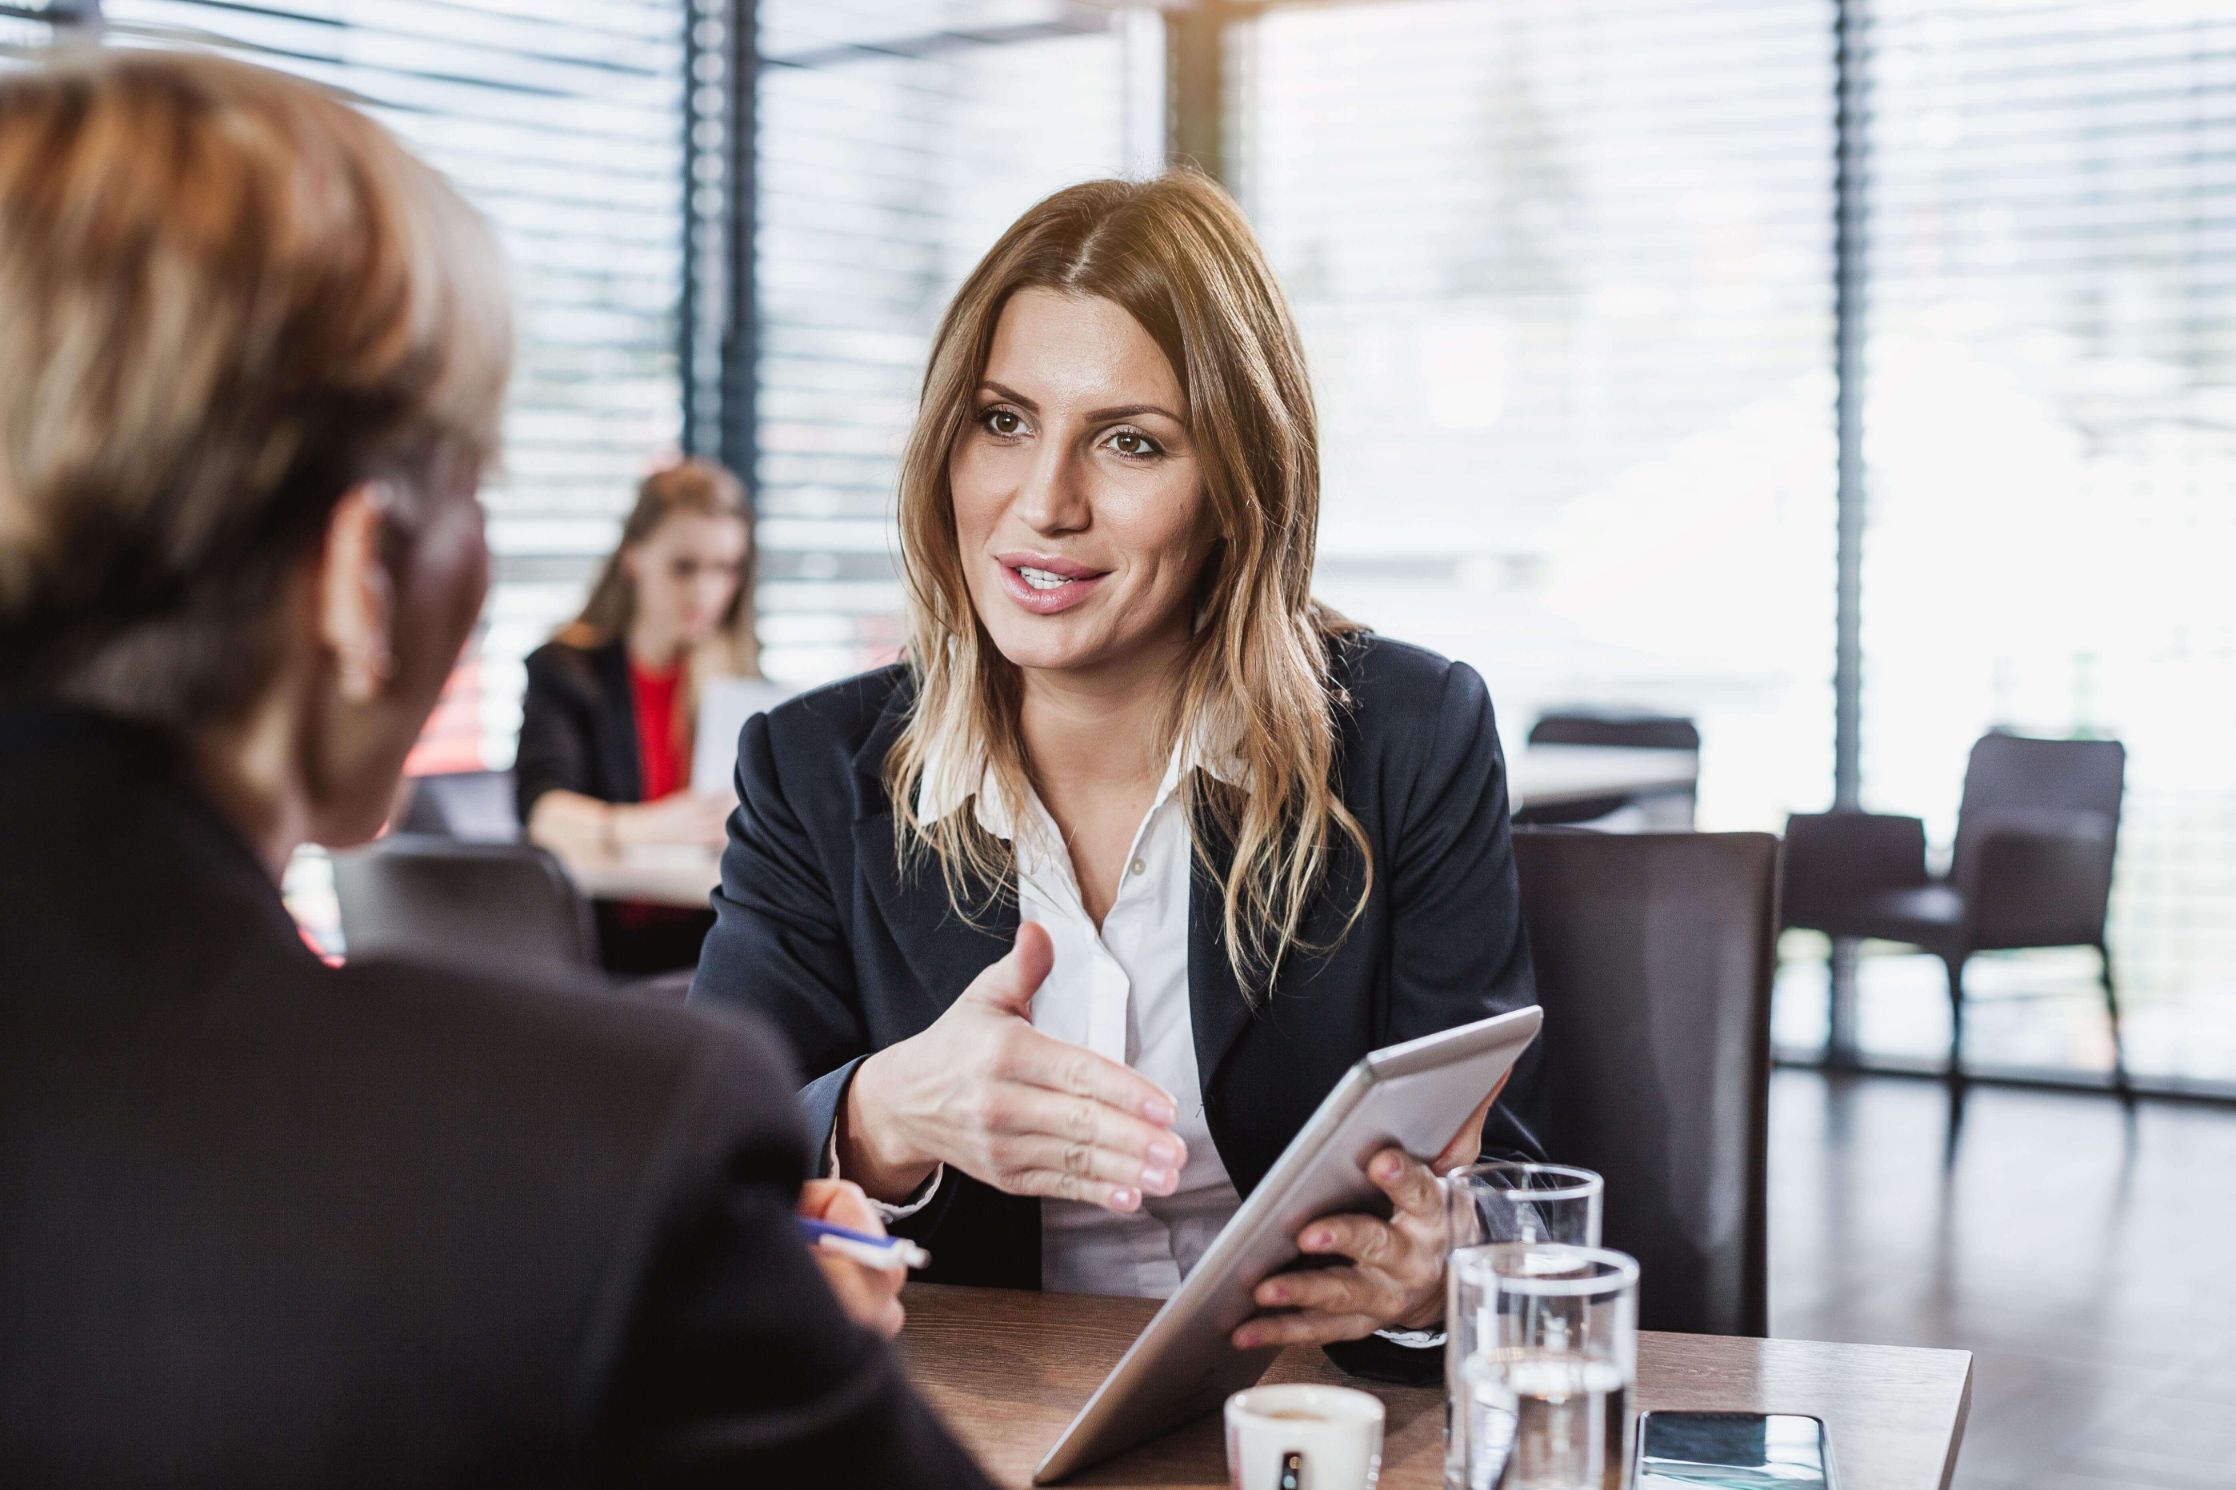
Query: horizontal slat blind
28, 23
564, 125
2051, 423
1564, 272
896, 141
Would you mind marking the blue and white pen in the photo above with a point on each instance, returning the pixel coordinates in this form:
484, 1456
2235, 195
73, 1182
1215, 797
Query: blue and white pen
892, 1253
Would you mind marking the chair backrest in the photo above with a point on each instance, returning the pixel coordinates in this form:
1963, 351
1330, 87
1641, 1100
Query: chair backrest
1654, 958
507, 905
2016, 778
1614, 727
476, 806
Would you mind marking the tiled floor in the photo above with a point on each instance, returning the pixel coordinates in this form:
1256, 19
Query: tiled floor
2088, 1259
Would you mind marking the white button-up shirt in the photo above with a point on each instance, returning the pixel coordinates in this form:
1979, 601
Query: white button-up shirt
1122, 992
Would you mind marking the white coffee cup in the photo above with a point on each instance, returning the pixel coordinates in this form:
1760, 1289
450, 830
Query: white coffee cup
1303, 1437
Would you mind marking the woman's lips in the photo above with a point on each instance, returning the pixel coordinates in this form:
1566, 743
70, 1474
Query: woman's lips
1061, 584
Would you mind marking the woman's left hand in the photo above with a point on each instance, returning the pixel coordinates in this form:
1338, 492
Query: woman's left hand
1395, 1279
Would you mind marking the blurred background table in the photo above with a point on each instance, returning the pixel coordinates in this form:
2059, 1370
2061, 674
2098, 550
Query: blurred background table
1540, 776
652, 876
1007, 1369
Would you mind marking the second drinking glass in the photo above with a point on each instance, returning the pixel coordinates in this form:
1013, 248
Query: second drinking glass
1545, 1389
1489, 1204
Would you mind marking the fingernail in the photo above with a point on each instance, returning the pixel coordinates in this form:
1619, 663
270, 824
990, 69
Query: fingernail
1165, 1154
1245, 1340
1387, 1168
1159, 1181
1316, 1240
1124, 1199
1158, 1110
1274, 1294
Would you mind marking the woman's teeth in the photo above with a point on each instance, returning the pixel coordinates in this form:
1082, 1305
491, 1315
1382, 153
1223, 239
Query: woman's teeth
1041, 579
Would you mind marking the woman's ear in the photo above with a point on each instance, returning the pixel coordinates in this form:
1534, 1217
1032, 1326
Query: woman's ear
357, 595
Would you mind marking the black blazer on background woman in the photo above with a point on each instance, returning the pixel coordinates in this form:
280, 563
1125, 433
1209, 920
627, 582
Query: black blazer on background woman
817, 928
578, 726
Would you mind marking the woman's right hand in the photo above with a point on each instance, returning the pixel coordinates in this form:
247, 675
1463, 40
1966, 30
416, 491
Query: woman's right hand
1025, 1112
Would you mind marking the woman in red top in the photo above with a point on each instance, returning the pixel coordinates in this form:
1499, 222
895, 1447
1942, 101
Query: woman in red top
611, 706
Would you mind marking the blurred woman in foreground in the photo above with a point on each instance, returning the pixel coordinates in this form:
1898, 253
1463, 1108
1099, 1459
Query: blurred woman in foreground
262, 1222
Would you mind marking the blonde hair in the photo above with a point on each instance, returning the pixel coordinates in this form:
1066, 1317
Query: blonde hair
228, 299
699, 488
1177, 255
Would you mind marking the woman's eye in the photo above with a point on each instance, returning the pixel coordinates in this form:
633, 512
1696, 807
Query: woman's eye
1134, 445
1003, 422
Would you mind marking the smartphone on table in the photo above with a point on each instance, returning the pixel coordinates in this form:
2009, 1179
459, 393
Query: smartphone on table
1732, 1451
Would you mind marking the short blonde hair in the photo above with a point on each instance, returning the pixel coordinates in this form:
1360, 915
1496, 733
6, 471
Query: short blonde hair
228, 299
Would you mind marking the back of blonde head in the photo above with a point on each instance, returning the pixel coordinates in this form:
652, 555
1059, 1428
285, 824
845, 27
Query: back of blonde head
1176, 253
228, 298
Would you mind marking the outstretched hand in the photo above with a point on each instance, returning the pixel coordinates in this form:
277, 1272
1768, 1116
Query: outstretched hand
1025, 1112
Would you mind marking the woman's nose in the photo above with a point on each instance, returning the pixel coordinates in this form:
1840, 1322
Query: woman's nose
1053, 497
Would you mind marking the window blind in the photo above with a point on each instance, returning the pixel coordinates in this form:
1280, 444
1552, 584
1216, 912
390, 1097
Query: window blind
28, 23
1564, 273
896, 140
2051, 431
564, 126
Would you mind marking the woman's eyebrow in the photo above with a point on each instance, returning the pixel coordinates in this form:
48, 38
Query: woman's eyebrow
1094, 416
1003, 390
1128, 411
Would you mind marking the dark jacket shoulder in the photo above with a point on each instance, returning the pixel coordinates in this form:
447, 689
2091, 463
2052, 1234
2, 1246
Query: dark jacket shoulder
571, 669
578, 729
842, 717
1396, 684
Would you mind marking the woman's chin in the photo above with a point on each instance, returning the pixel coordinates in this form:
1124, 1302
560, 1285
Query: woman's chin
1046, 650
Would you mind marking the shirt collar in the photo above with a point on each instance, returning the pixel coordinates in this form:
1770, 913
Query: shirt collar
946, 784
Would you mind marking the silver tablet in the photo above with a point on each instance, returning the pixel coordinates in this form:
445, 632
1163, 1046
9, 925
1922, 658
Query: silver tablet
1413, 1096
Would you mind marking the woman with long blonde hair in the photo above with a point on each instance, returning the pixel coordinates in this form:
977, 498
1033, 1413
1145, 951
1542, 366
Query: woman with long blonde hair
1076, 913
611, 711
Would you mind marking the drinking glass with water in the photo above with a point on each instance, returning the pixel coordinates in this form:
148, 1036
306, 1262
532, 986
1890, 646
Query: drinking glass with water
1544, 1396
1486, 1204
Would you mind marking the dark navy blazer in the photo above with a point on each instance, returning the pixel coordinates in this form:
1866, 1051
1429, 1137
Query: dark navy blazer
818, 930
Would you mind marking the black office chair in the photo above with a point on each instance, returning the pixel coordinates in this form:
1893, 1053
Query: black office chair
1654, 954
503, 905
473, 806
2037, 831
1667, 810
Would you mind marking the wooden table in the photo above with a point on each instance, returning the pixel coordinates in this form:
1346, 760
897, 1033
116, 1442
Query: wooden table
1541, 775
1007, 1369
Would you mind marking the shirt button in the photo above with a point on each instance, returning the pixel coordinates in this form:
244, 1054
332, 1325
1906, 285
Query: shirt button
1139, 866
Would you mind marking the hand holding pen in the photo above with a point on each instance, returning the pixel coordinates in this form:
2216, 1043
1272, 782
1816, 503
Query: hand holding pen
887, 1253
863, 1266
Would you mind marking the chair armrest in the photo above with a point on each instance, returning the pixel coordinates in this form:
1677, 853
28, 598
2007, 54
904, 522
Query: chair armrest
1832, 857
2043, 880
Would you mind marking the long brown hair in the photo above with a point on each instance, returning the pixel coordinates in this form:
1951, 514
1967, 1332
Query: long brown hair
1176, 254
697, 488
